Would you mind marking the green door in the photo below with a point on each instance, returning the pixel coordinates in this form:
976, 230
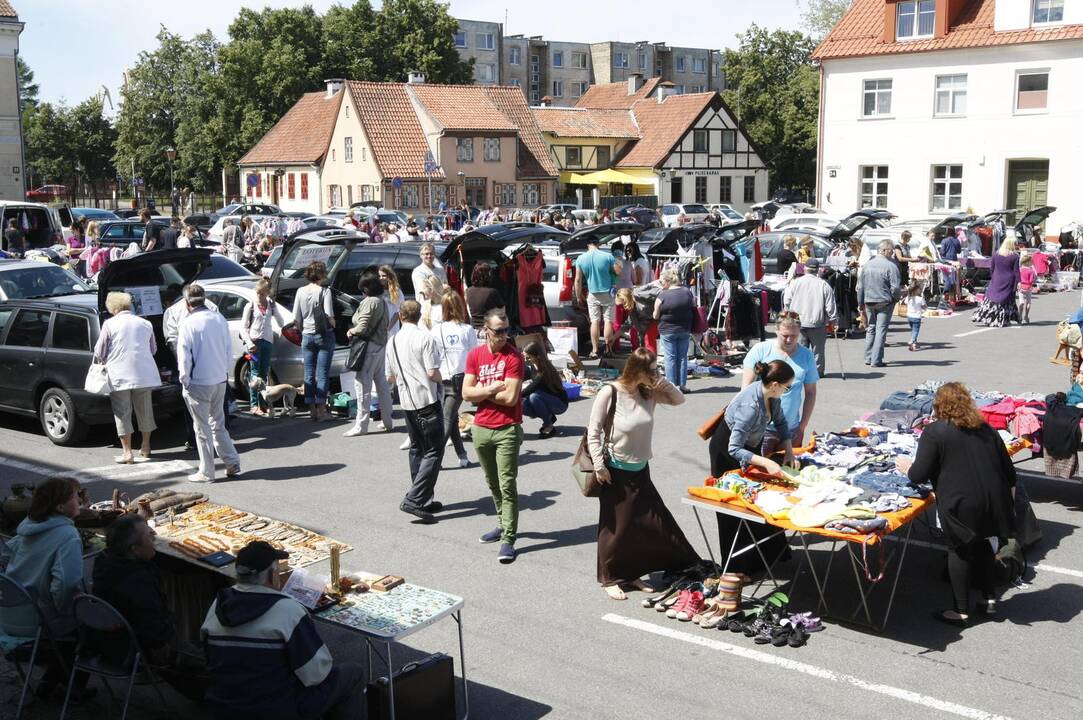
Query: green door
1028, 185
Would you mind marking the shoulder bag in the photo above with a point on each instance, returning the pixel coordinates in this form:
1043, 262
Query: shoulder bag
583, 464
97, 379
319, 315
359, 344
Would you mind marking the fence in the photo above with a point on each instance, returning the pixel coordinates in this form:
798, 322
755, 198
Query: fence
612, 201
202, 203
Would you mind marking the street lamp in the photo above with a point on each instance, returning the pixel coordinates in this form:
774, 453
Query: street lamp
171, 155
462, 181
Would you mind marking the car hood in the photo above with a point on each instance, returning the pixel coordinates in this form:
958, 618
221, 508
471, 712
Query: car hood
331, 246
578, 241
852, 223
150, 268
1033, 218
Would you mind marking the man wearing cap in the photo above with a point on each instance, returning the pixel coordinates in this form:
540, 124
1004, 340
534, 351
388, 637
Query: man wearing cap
264, 656
814, 301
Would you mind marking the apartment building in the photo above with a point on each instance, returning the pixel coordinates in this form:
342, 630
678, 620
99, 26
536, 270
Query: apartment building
11, 135
482, 42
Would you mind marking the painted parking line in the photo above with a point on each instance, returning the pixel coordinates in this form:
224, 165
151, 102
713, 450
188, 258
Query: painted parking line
926, 701
1038, 567
136, 471
986, 329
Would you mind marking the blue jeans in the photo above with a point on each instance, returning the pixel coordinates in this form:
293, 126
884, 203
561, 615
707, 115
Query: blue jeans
540, 404
879, 316
316, 351
915, 328
259, 367
675, 360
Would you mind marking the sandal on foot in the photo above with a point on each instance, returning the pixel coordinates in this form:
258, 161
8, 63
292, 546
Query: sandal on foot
615, 592
124, 459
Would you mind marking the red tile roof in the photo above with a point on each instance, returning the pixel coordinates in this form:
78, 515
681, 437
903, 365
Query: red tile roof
615, 95
463, 107
300, 136
860, 32
6, 10
661, 126
534, 158
393, 130
586, 122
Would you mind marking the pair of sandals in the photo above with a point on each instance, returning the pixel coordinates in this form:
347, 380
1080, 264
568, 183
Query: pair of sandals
130, 459
617, 592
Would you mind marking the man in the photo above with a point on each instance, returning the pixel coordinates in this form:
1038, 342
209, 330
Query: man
493, 382
428, 268
600, 270
233, 237
412, 359
171, 321
878, 290
204, 361
264, 655
167, 239
14, 238
814, 302
151, 232
799, 400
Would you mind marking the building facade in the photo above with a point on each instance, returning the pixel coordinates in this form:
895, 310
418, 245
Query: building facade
967, 106
482, 42
12, 165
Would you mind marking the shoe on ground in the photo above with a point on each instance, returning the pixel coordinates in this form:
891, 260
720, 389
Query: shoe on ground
464, 462
233, 471
506, 554
491, 536
426, 518
434, 507
879, 364
405, 444
353, 432
547, 432
199, 478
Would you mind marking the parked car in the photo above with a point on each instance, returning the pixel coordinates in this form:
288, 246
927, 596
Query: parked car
726, 211
32, 280
201, 221
803, 223
644, 216
823, 240
562, 208
788, 196
41, 222
694, 212
315, 222
128, 213
47, 193
249, 209
84, 215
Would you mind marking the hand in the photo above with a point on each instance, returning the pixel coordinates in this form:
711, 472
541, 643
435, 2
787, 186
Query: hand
495, 388
603, 476
771, 467
903, 464
789, 460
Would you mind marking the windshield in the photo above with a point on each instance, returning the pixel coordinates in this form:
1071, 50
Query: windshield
39, 282
222, 267
695, 209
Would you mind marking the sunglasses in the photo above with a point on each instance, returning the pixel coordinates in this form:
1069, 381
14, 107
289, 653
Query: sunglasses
497, 332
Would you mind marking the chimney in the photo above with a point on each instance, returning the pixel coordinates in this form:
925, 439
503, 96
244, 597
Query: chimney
635, 81
415, 78
546, 101
333, 86
665, 89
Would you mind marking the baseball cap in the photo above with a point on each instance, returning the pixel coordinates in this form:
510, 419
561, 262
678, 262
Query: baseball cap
257, 556
812, 264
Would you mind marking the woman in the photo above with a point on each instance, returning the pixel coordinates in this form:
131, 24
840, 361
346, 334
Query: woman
544, 396
999, 308
481, 296
973, 479
903, 258
635, 272
641, 324
257, 330
370, 323
456, 338
126, 346
314, 313
637, 534
675, 310
393, 296
76, 243
787, 258
431, 311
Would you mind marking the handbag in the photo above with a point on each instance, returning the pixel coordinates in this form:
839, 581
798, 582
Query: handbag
583, 464
97, 379
706, 430
423, 689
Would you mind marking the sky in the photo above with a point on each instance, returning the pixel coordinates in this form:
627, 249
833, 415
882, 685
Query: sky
75, 47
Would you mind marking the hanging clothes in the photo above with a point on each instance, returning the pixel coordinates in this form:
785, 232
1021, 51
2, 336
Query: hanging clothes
531, 291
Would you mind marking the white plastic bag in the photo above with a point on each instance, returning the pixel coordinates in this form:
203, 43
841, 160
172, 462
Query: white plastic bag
97, 380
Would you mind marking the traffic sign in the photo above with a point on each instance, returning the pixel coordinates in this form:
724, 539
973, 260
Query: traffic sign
138, 182
431, 167
397, 183
253, 180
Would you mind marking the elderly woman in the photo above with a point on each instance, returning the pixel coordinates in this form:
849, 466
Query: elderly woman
999, 308
787, 256
675, 310
126, 346
973, 479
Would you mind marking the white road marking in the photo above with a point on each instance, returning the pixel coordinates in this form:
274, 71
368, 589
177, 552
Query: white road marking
975, 332
927, 701
109, 472
1041, 566
1053, 568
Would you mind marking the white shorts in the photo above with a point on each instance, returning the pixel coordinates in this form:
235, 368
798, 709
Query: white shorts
600, 306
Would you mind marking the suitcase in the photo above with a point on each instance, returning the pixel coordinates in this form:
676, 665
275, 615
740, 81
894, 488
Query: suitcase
424, 690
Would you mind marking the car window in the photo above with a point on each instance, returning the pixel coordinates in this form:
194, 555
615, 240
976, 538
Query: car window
769, 246
115, 232
45, 280
222, 267
695, 209
669, 210
231, 306
28, 328
5, 315
70, 332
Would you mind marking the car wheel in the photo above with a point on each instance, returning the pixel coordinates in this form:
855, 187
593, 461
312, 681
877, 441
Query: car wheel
58, 417
240, 380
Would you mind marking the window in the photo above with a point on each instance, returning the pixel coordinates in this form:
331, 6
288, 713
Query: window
492, 149
914, 19
347, 149
534, 97
725, 189
877, 99
231, 306
699, 65
486, 72
410, 196
505, 194
515, 55
1031, 91
366, 193
620, 60
579, 60
602, 156
950, 95
531, 195
464, 149
947, 187
290, 186
573, 157
70, 332
484, 41
729, 141
579, 88
558, 88
558, 58
642, 61
874, 186
460, 39
514, 82
304, 186
679, 64
701, 189
1048, 11
699, 144
28, 329
750, 188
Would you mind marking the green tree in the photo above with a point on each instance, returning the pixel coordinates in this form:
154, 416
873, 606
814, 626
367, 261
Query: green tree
28, 89
773, 89
49, 150
822, 15
201, 138
348, 40
417, 35
92, 139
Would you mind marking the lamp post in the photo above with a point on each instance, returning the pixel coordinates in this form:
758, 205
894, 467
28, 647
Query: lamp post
171, 155
462, 181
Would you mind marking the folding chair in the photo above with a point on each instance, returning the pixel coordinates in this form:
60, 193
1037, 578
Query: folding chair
14, 595
94, 618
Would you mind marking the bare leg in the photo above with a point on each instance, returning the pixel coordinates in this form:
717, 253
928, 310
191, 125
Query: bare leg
595, 331
145, 450
126, 448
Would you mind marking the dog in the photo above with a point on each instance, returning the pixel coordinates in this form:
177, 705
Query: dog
271, 395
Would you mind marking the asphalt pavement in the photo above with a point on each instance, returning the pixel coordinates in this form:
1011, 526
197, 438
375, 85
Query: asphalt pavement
543, 640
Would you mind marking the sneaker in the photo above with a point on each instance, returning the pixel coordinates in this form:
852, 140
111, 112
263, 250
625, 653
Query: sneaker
464, 462
405, 444
421, 514
353, 432
506, 554
199, 478
491, 536
694, 605
682, 601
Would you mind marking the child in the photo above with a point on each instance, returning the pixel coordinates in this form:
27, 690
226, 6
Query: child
915, 309
1027, 278
635, 317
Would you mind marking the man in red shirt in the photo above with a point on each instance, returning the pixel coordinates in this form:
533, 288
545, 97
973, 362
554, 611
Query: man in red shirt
493, 381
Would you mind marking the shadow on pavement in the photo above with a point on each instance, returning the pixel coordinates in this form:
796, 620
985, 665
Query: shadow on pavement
582, 535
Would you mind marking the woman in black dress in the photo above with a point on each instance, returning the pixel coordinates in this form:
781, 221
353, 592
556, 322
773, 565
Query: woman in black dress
973, 479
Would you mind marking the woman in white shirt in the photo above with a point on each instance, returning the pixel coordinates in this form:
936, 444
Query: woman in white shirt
258, 323
455, 337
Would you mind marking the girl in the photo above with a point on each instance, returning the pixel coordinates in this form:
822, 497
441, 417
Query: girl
258, 320
635, 316
455, 337
1028, 276
544, 396
915, 310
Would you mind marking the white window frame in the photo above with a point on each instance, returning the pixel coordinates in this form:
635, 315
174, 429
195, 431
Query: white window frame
506, 195
620, 59
464, 150
558, 58
1015, 95
515, 55
698, 134
1048, 7
949, 188
411, 196
873, 86
558, 88
699, 66
492, 149
680, 63
485, 41
916, 9
491, 72
347, 149
531, 195
515, 82
465, 37
642, 61
579, 60
953, 94
875, 198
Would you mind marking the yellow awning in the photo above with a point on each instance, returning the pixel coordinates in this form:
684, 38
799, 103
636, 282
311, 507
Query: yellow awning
609, 176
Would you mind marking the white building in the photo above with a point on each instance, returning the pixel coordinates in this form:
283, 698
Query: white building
11, 132
936, 106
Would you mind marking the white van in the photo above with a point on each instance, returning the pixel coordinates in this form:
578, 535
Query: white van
40, 222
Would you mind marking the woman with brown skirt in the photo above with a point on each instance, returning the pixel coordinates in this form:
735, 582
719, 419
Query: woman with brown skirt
637, 534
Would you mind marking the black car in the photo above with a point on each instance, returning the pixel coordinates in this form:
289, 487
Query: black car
121, 233
202, 221
645, 216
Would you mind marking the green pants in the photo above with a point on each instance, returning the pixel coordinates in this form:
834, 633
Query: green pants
498, 453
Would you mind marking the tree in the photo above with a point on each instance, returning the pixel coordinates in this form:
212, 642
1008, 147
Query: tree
49, 153
774, 91
28, 89
822, 15
93, 139
347, 41
419, 35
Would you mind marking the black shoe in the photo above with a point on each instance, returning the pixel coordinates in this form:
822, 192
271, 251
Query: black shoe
426, 518
955, 622
879, 364
434, 507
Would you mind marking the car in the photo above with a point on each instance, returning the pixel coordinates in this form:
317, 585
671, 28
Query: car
201, 221
788, 196
805, 223
726, 211
771, 245
47, 193
823, 240
40, 222
249, 209
33, 280
693, 212
384, 215
84, 215
218, 230
127, 213
644, 216
220, 267
313, 222
562, 208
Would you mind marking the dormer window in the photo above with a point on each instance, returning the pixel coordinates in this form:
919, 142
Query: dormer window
1047, 11
914, 19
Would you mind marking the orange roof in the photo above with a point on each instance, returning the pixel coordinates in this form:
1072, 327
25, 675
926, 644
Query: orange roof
586, 122
662, 125
300, 136
534, 160
614, 96
6, 10
860, 32
463, 107
393, 130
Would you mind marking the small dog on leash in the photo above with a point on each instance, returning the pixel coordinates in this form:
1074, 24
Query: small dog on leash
271, 395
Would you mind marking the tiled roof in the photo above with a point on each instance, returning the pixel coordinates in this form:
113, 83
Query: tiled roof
300, 136
661, 125
615, 95
534, 158
463, 107
6, 10
586, 122
860, 32
393, 130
